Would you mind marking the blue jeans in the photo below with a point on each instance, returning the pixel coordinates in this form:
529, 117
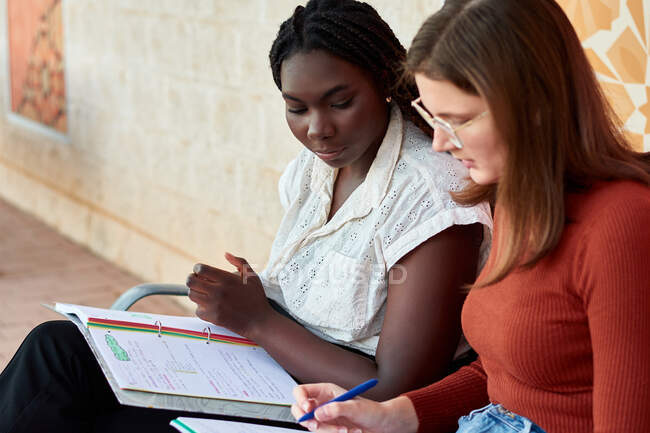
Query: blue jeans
494, 418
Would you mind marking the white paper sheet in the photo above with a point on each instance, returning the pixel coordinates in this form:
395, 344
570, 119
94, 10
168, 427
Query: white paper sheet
199, 425
178, 365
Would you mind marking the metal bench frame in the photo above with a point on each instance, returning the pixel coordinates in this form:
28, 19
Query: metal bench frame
135, 293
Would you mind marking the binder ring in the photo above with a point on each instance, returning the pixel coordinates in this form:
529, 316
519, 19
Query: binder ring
208, 331
159, 328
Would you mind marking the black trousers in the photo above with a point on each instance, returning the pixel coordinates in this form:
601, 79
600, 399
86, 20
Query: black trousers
54, 384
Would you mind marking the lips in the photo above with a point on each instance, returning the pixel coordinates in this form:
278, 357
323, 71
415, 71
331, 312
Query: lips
329, 154
468, 163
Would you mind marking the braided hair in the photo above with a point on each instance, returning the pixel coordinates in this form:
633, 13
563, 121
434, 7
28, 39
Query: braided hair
352, 31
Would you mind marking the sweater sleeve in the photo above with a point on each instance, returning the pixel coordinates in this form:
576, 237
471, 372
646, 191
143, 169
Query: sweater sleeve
614, 269
438, 406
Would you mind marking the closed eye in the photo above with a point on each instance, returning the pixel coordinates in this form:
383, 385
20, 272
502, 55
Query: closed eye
455, 121
296, 110
343, 104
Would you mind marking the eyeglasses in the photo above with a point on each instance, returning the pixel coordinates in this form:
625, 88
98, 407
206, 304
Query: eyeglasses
437, 123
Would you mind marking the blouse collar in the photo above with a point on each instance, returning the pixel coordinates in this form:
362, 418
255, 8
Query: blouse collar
373, 189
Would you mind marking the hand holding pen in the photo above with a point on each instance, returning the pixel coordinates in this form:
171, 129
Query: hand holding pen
345, 413
357, 390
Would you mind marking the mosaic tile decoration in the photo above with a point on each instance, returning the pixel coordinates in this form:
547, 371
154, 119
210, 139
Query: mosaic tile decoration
616, 38
36, 61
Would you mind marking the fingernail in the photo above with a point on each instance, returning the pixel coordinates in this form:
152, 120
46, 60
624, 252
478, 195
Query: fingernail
305, 406
324, 410
310, 425
343, 430
196, 268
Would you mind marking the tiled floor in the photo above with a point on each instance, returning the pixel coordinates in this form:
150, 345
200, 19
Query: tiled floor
37, 265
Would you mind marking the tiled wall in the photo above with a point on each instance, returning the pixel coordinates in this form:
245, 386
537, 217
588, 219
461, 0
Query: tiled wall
616, 37
175, 135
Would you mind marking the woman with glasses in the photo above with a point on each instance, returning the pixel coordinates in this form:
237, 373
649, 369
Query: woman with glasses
560, 315
366, 272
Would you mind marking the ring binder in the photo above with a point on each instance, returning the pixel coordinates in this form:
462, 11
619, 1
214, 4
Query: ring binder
159, 324
199, 379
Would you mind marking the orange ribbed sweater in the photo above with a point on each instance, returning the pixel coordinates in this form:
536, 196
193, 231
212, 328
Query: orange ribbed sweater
567, 342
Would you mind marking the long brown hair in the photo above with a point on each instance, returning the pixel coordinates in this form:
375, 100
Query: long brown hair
525, 59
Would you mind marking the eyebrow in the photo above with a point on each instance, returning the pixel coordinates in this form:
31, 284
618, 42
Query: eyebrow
326, 95
453, 115
445, 115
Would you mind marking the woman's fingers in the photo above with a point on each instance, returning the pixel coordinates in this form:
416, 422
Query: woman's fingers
316, 394
198, 296
237, 262
198, 285
296, 411
299, 409
355, 415
337, 417
201, 284
205, 314
324, 428
336, 410
209, 273
243, 268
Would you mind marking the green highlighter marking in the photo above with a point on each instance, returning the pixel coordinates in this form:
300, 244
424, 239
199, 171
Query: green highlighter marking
119, 353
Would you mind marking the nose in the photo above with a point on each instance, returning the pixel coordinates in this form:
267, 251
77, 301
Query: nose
320, 127
441, 141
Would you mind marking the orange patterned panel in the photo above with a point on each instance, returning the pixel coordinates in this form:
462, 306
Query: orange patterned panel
636, 10
630, 57
617, 45
620, 100
36, 61
588, 17
645, 110
598, 65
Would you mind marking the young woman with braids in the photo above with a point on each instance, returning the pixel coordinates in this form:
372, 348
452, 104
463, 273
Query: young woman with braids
365, 274
560, 315
371, 255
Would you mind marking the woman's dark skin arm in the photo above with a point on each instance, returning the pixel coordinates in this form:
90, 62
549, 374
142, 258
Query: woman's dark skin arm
421, 327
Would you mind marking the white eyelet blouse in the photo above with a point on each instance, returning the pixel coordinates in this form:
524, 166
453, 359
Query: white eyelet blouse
332, 276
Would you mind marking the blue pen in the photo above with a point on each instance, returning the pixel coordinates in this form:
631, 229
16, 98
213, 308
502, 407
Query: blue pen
359, 389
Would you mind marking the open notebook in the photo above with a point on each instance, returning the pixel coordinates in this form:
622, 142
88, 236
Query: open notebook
183, 363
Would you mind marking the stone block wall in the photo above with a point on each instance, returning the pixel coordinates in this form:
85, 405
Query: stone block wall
175, 131
176, 134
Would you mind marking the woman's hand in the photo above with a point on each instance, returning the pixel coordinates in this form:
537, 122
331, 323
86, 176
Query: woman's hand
353, 416
233, 300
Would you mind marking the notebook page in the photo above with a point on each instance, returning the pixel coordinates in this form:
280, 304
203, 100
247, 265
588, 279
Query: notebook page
199, 425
